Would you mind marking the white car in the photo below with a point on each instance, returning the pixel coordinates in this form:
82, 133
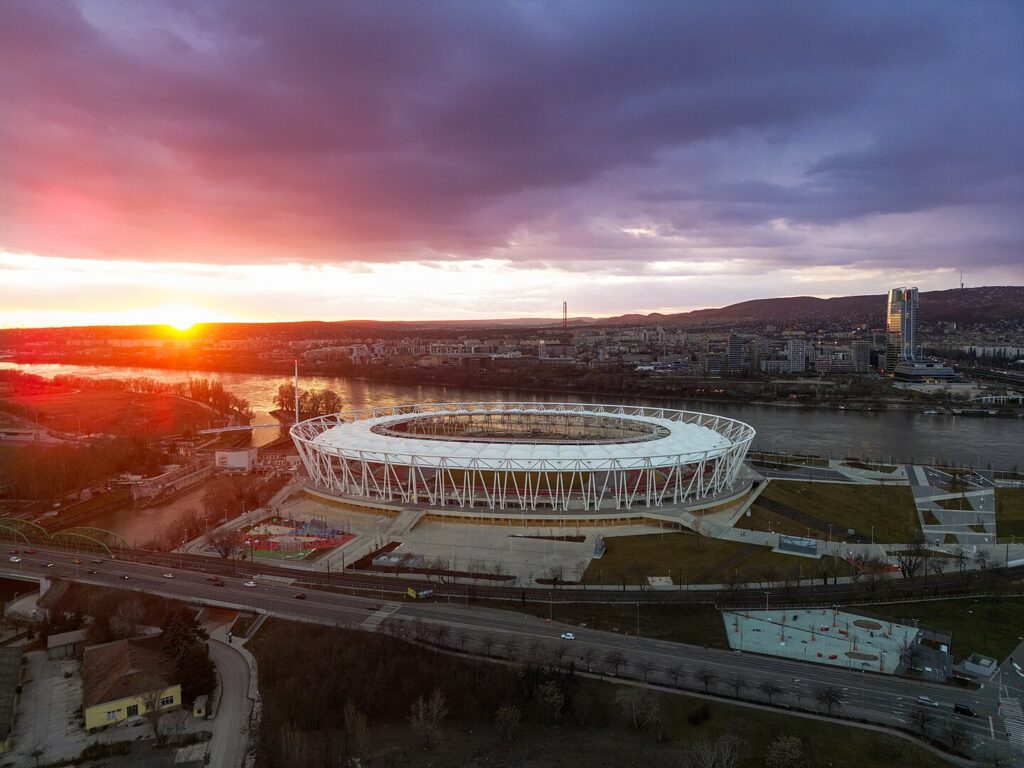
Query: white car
249, 584
168, 575
1016, 666
15, 559
568, 636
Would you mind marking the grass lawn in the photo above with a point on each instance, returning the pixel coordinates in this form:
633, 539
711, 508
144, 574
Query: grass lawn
890, 509
991, 627
1010, 513
690, 559
112, 411
960, 502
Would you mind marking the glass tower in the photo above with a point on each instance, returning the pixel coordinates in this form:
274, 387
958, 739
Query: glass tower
901, 327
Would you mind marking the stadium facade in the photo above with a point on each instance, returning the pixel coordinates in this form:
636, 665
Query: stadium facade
501, 457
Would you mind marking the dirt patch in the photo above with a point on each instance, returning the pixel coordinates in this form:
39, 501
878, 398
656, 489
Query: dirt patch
867, 624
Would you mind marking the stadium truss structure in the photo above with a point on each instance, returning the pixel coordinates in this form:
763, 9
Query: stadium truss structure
524, 456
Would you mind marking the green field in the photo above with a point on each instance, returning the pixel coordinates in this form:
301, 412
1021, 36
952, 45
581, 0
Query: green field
959, 502
690, 559
991, 627
1010, 513
811, 506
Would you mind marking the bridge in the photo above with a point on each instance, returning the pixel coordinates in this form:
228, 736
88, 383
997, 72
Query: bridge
243, 428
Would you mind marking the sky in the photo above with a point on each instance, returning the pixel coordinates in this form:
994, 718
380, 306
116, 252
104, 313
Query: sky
259, 161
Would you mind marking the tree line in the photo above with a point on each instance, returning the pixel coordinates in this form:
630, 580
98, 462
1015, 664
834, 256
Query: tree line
312, 402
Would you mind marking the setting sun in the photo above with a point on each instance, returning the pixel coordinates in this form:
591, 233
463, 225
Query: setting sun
180, 318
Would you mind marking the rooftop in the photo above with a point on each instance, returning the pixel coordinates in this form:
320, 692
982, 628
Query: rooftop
124, 668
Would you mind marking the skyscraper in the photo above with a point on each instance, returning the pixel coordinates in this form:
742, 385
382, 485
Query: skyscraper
901, 327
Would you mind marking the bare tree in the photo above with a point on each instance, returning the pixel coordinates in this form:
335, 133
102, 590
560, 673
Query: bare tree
127, 619
645, 666
426, 716
705, 677
956, 736
770, 689
639, 705
488, 643
723, 752
552, 699
828, 697
511, 645
911, 558
960, 558
922, 720
508, 718
464, 637
937, 565
588, 658
151, 711
737, 683
614, 660
675, 672
441, 634
785, 752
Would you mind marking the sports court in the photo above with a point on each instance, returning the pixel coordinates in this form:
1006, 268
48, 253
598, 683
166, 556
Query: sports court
822, 636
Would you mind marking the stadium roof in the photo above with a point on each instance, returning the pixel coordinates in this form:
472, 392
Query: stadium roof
680, 439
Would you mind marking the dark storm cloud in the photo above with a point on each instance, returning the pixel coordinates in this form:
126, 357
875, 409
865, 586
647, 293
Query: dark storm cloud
241, 132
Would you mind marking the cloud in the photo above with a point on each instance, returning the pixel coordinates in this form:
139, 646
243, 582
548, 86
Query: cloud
267, 132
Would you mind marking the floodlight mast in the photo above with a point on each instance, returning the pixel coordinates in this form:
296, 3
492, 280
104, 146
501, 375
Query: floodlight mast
296, 391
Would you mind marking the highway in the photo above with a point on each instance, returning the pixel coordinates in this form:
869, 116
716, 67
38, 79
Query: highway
808, 594
884, 700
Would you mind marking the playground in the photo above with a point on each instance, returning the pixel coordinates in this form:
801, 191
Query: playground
285, 538
822, 636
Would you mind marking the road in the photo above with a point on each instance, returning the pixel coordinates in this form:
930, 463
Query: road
880, 699
231, 724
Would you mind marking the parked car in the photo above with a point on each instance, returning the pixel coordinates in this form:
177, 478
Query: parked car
218, 583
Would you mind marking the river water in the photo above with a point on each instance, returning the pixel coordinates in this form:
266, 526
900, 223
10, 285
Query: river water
891, 436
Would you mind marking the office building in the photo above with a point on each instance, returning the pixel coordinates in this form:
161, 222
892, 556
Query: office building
901, 328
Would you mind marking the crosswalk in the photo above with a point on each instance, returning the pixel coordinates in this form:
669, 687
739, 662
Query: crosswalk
1013, 719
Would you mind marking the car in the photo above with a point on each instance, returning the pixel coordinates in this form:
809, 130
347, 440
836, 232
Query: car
125, 577
1017, 669
300, 596
168, 575
15, 559
927, 701
218, 583
963, 709
49, 565
76, 561
97, 560
93, 571
249, 584
568, 636
30, 551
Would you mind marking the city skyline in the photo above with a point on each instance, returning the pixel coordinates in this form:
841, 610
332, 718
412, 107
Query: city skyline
173, 163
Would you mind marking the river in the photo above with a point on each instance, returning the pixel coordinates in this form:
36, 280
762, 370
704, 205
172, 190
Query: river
890, 436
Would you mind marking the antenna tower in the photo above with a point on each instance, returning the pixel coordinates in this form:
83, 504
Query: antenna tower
565, 328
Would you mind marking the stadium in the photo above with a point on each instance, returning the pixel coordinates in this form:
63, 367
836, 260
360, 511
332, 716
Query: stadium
499, 459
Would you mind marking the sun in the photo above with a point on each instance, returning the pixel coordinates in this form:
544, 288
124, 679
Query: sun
179, 318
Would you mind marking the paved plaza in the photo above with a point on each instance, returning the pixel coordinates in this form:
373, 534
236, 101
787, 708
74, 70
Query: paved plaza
822, 636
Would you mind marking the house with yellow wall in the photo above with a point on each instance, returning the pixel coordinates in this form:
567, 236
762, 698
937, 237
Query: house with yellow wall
124, 679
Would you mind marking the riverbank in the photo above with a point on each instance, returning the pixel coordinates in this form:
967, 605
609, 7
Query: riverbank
884, 436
